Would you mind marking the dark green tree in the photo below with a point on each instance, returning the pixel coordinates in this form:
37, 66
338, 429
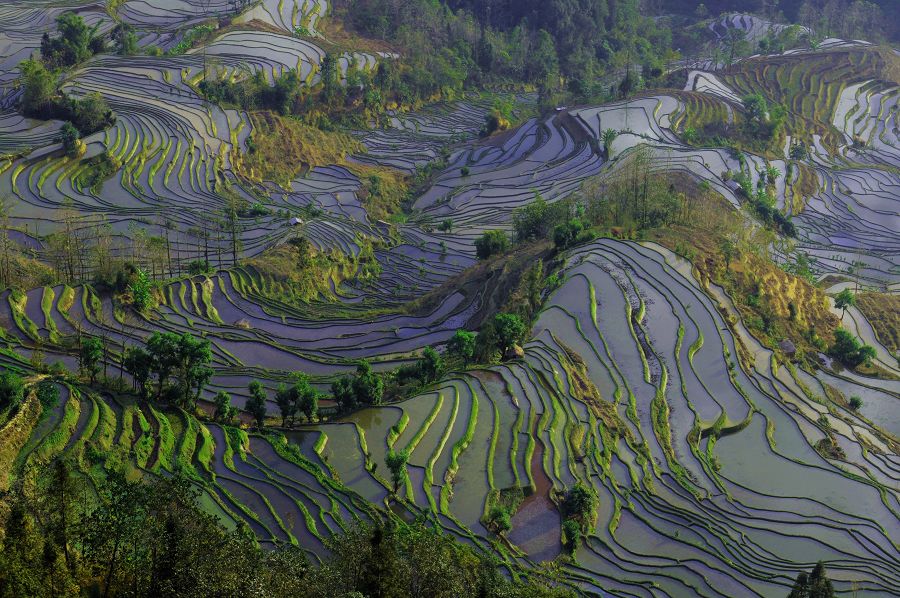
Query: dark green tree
396, 463
490, 243
286, 399
89, 356
367, 385
139, 363
309, 403
70, 137
224, 412
344, 394
844, 299
164, 356
12, 390
39, 88
256, 404
510, 330
462, 345
430, 365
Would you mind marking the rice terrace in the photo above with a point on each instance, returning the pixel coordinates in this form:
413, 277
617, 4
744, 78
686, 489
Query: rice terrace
406, 298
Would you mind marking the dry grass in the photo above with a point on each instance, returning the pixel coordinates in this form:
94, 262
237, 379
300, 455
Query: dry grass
883, 312
382, 190
762, 292
281, 149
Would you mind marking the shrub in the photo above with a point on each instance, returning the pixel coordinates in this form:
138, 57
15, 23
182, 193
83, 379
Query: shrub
571, 534
490, 243
462, 345
12, 390
565, 235
848, 350
70, 138
510, 330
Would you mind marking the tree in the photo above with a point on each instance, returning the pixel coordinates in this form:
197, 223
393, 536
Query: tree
331, 85
139, 363
285, 398
75, 43
430, 366
139, 288
801, 586
462, 345
855, 403
814, 585
566, 234
510, 330
256, 404
580, 504
309, 403
572, 533
729, 249
500, 519
39, 88
89, 356
367, 385
12, 390
344, 394
126, 40
844, 299
609, 135
396, 463
224, 412
164, 357
491, 242
848, 350
91, 113
192, 370
531, 220
70, 140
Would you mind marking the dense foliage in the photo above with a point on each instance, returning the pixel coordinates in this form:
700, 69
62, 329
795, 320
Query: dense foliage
64, 536
547, 43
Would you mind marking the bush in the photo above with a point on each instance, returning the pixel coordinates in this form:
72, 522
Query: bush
571, 534
565, 235
12, 390
848, 350
97, 171
490, 243
75, 43
70, 138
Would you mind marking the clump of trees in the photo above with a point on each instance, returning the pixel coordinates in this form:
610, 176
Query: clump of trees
499, 335
813, 585
74, 43
366, 387
12, 391
491, 243
300, 397
65, 535
41, 98
849, 350
762, 122
178, 364
579, 509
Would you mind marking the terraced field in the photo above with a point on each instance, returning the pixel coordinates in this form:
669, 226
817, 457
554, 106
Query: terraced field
638, 380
